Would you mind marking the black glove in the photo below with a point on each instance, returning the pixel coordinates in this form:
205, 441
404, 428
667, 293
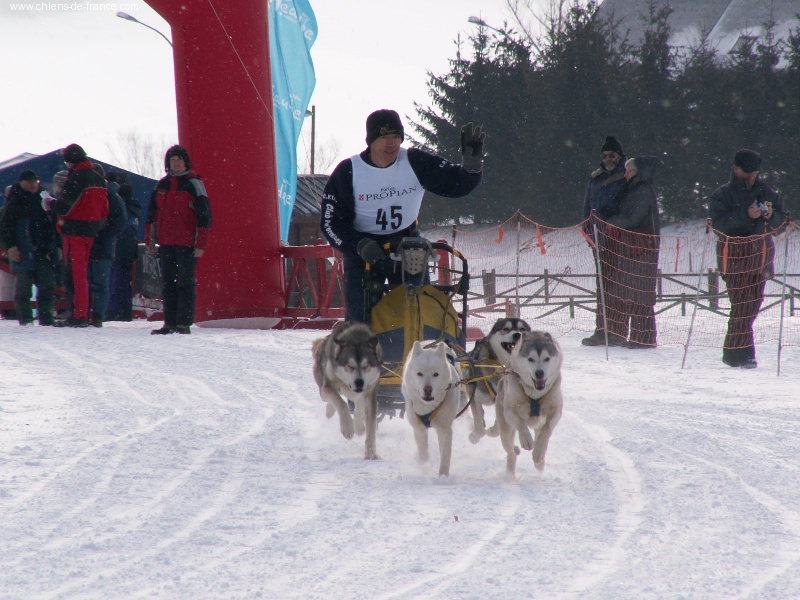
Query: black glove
472, 138
370, 251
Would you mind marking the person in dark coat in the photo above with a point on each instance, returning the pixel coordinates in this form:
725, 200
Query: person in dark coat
635, 231
179, 219
389, 182
82, 209
102, 253
599, 204
745, 213
28, 232
120, 304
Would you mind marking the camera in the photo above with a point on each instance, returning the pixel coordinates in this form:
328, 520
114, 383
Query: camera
764, 209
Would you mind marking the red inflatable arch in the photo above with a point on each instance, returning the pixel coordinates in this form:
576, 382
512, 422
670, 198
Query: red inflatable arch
224, 99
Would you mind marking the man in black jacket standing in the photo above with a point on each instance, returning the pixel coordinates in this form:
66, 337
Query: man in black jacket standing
599, 204
28, 232
373, 198
744, 212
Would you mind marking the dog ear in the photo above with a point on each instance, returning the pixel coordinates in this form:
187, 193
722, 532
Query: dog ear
416, 348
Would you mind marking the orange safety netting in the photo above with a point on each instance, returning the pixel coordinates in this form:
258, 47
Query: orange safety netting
665, 290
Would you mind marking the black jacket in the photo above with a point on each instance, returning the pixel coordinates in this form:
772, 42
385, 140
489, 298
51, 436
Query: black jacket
26, 224
743, 246
637, 205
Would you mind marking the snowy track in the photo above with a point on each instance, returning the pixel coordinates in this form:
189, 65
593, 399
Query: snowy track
134, 466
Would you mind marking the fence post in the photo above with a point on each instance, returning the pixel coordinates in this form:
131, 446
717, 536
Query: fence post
511, 311
713, 288
489, 286
659, 282
546, 286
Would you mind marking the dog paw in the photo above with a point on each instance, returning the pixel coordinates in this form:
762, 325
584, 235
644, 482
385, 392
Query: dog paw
346, 428
516, 450
493, 431
476, 436
371, 456
329, 410
538, 462
526, 441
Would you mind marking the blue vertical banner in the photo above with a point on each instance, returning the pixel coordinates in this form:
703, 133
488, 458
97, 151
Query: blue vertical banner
292, 32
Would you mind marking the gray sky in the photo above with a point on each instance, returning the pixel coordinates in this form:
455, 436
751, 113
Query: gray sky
87, 76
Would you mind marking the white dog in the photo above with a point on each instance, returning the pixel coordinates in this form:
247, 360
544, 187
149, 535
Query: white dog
432, 391
530, 397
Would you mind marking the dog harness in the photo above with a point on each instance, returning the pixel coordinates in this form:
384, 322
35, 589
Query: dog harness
534, 406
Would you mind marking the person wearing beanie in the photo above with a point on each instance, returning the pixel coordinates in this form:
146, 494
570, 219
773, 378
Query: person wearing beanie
179, 220
29, 234
389, 182
599, 205
82, 210
745, 213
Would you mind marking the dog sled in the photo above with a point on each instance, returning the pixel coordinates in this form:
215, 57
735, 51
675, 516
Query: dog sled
429, 305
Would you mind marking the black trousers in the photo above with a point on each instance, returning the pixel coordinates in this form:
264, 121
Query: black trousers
746, 294
178, 266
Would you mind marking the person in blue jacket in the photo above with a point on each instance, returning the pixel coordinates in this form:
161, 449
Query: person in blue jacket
28, 231
120, 303
373, 198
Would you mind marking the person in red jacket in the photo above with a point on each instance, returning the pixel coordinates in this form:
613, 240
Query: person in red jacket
179, 220
82, 209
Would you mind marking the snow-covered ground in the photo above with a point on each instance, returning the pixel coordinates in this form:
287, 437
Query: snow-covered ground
202, 466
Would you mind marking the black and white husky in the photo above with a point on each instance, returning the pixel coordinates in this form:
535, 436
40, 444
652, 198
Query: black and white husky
347, 366
529, 397
488, 357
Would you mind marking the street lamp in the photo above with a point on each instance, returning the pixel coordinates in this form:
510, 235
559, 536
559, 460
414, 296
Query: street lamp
481, 23
127, 17
313, 114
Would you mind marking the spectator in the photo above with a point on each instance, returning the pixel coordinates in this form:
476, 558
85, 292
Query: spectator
82, 208
59, 179
102, 252
744, 212
599, 204
359, 230
28, 232
637, 241
120, 306
179, 219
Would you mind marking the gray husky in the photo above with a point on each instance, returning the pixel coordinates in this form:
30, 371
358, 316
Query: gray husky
347, 366
529, 396
489, 355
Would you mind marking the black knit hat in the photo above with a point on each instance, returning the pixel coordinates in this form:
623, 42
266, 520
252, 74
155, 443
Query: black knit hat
383, 122
28, 175
73, 154
612, 145
177, 151
747, 160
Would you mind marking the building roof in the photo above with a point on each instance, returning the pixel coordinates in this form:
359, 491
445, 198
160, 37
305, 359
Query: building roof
725, 20
309, 194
